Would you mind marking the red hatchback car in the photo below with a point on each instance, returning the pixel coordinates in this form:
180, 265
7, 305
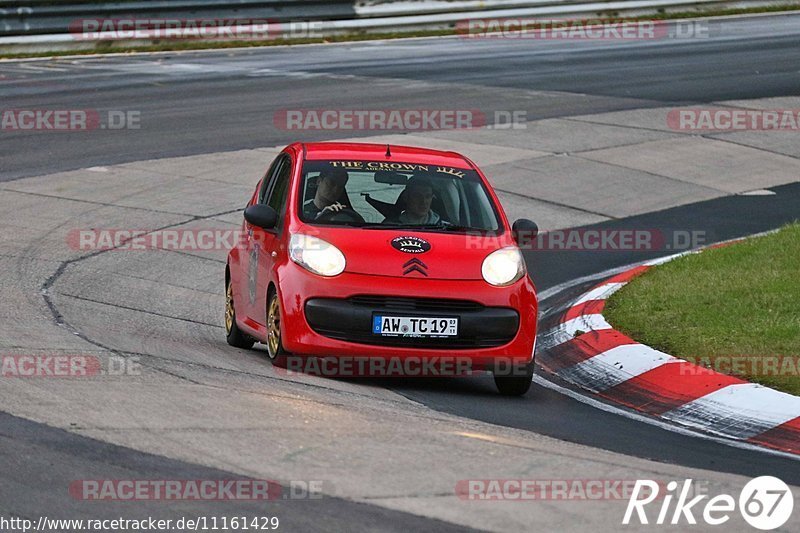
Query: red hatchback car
390, 252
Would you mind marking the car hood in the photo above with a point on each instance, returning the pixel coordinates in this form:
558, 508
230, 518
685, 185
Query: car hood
414, 254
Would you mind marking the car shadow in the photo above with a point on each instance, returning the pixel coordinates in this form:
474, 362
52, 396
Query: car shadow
479, 385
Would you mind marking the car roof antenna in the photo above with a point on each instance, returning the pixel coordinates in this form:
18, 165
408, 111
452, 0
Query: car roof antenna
388, 151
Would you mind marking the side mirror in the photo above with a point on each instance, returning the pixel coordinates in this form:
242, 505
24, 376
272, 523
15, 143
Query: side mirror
524, 232
262, 216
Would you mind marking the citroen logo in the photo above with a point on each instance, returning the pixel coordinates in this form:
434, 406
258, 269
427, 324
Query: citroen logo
415, 265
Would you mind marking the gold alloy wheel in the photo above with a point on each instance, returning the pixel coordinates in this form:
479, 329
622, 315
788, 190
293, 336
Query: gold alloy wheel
229, 308
274, 326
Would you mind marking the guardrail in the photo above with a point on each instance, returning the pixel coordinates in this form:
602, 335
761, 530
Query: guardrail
41, 17
39, 25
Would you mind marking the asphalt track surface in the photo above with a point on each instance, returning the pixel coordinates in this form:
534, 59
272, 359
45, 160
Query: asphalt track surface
554, 415
196, 103
54, 457
225, 100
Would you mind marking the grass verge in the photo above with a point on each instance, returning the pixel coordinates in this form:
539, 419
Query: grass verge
170, 46
734, 309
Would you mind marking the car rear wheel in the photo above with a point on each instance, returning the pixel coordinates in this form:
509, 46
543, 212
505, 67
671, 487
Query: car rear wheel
234, 335
274, 339
515, 385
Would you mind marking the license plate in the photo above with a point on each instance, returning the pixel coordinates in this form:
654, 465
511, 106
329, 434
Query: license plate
405, 326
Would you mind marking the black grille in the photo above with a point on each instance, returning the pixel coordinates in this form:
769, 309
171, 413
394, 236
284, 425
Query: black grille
442, 344
351, 320
415, 304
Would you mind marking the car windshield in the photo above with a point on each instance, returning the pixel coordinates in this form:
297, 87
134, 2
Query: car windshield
381, 195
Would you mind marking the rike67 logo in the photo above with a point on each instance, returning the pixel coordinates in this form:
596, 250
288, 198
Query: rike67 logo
765, 503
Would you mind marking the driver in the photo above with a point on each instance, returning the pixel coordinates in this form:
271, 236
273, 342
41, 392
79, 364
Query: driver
330, 186
419, 195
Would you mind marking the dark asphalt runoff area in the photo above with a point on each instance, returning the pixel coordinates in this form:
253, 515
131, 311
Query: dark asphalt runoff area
38, 458
550, 413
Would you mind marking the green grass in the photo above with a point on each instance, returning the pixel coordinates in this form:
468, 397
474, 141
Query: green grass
739, 301
178, 45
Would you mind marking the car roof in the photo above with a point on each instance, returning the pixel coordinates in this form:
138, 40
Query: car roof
377, 152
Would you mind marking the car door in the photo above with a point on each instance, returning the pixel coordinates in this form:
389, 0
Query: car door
263, 246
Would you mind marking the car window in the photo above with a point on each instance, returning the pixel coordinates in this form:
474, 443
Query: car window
277, 196
269, 177
383, 193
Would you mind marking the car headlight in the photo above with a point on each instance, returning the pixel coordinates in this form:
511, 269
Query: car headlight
503, 267
316, 255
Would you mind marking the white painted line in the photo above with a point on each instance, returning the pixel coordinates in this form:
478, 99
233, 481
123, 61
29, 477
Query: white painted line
605, 274
667, 426
584, 323
42, 68
758, 192
667, 259
735, 412
599, 293
741, 411
561, 287
614, 366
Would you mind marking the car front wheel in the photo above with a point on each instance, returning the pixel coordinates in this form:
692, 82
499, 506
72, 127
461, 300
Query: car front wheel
517, 384
274, 339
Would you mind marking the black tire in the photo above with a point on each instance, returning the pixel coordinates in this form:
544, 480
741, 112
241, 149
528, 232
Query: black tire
234, 335
275, 350
515, 384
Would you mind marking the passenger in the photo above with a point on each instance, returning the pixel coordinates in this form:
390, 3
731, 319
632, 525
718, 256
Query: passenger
418, 196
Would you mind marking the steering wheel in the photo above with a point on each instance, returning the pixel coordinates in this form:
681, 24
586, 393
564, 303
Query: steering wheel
343, 215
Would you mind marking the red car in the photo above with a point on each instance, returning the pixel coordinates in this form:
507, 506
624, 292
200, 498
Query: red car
390, 252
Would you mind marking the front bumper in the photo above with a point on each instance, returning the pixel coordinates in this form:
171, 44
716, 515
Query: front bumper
333, 316
351, 320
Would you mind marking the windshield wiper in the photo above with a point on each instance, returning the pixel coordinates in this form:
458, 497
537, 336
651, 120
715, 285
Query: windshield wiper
427, 227
378, 225
337, 223
453, 227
